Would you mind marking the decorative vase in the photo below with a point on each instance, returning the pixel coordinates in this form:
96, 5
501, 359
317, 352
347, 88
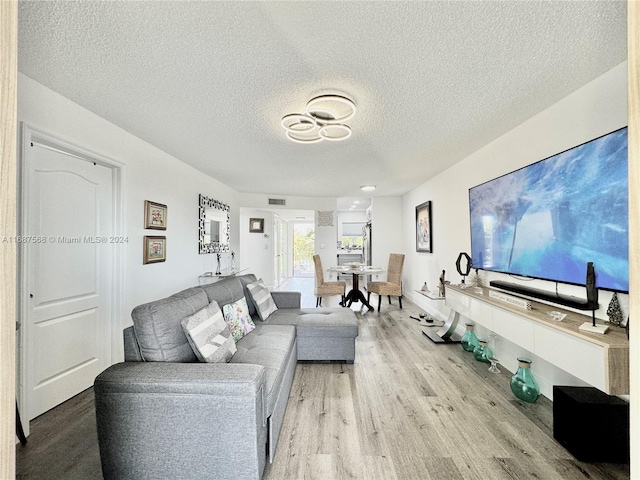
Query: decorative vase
523, 385
469, 341
482, 353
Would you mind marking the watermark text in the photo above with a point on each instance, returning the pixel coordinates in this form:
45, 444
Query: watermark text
64, 239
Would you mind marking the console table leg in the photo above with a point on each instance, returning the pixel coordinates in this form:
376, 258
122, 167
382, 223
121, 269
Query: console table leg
446, 334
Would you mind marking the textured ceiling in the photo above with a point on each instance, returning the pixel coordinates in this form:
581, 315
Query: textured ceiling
208, 82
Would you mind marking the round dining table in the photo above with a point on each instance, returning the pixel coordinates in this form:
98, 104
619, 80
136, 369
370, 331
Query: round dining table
356, 270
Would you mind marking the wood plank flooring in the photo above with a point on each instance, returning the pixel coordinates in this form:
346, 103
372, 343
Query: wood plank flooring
63, 443
406, 409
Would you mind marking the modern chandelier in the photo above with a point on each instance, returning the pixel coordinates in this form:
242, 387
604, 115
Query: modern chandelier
323, 119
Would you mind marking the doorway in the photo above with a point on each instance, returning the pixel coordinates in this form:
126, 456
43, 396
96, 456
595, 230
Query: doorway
279, 250
68, 297
304, 246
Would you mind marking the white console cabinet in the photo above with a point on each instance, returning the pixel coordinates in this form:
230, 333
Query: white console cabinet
599, 360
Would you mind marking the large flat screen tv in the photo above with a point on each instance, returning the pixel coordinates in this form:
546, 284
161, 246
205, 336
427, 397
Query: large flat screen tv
547, 220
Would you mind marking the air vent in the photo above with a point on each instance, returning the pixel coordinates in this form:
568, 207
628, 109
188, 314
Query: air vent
277, 201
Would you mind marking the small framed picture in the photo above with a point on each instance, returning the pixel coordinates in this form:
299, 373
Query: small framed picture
155, 249
155, 215
423, 228
256, 225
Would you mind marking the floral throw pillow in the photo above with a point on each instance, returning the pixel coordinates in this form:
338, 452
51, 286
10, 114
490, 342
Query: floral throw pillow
238, 319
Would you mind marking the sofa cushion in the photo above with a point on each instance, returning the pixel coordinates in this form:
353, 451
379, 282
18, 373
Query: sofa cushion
225, 291
245, 280
158, 329
261, 298
270, 346
237, 316
318, 322
209, 335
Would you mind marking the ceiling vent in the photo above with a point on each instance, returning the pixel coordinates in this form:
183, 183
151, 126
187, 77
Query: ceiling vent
277, 201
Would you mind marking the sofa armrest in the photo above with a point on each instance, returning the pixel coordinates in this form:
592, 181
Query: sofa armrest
131, 347
286, 299
179, 420
181, 378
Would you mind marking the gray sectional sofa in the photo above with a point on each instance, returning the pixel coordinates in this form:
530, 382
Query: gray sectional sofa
161, 414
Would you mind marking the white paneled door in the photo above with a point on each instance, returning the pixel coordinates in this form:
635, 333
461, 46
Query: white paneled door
67, 253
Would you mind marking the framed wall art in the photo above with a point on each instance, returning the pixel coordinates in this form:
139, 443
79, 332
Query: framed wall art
256, 225
155, 249
423, 228
155, 215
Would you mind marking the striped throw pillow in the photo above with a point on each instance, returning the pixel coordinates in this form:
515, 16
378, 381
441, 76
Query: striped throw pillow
262, 299
209, 335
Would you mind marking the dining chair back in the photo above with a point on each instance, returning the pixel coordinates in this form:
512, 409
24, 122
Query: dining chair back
326, 289
393, 285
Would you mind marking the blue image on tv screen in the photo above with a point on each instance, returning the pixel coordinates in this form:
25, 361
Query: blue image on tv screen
549, 219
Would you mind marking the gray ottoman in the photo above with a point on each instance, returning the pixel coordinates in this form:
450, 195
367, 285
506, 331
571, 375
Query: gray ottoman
322, 333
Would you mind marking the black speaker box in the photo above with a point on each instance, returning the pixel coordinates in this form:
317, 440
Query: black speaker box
592, 425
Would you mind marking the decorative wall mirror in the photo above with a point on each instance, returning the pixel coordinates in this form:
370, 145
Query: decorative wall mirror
213, 225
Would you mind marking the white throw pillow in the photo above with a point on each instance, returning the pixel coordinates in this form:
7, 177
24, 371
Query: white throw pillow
209, 335
262, 299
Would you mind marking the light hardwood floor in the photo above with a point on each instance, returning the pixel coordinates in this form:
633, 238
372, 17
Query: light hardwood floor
410, 409
406, 409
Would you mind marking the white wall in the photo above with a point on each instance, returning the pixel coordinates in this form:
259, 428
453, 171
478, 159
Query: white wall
257, 248
261, 201
595, 109
326, 244
326, 237
386, 234
150, 174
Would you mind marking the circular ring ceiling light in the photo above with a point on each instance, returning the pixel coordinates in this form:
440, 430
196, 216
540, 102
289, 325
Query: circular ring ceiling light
333, 103
322, 116
323, 120
335, 132
298, 122
302, 138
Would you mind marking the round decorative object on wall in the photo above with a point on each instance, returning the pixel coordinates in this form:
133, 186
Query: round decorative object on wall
325, 218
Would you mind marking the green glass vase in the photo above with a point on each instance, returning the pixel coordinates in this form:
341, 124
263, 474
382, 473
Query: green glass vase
523, 385
482, 352
469, 341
